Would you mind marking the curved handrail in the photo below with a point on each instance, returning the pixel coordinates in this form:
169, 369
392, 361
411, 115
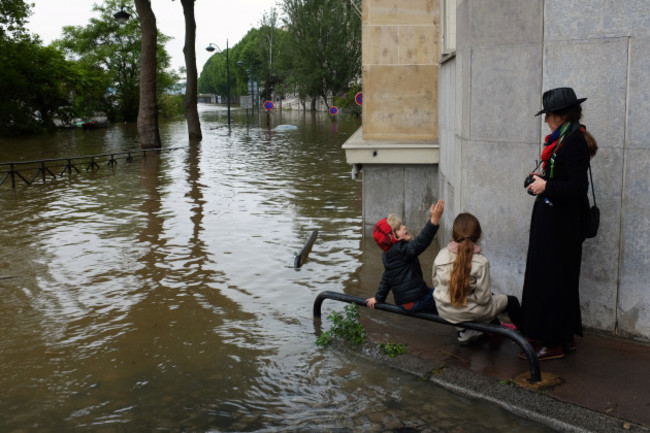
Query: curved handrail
531, 355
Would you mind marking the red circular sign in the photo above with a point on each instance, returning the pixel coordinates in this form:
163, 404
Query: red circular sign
333, 110
359, 98
268, 105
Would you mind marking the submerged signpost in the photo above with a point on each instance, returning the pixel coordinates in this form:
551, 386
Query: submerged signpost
246, 102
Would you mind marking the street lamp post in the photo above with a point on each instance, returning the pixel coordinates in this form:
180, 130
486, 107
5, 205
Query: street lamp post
211, 47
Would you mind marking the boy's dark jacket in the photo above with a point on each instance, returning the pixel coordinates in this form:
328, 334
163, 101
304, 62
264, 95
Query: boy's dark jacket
402, 271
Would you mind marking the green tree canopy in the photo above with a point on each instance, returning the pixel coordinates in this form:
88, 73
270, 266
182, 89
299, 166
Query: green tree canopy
36, 84
317, 53
243, 57
13, 16
113, 50
325, 38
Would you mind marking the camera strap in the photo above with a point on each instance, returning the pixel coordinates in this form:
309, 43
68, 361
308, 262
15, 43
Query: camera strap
591, 179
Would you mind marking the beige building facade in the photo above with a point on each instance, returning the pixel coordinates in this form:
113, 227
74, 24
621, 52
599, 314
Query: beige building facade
397, 147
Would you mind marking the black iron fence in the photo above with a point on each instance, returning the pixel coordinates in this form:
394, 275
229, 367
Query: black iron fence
51, 169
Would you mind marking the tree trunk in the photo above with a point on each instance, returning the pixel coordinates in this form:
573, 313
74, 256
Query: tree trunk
190, 100
148, 111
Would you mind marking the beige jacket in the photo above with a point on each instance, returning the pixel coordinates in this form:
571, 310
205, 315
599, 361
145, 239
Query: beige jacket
482, 305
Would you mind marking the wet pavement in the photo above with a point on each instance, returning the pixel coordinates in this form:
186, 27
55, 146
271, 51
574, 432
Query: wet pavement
604, 385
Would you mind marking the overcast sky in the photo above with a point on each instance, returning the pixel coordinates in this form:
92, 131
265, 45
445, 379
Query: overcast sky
216, 21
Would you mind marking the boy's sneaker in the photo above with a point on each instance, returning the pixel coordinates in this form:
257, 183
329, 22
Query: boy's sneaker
509, 325
468, 336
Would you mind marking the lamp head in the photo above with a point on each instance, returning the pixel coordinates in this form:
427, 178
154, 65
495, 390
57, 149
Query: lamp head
122, 16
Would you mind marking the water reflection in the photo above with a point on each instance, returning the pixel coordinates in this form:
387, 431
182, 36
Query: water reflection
161, 294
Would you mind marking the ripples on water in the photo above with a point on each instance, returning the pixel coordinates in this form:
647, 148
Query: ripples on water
161, 294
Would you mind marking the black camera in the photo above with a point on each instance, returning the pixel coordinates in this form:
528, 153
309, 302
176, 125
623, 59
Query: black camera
530, 179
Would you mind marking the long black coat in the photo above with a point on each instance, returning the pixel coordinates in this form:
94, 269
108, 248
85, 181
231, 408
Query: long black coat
550, 299
402, 270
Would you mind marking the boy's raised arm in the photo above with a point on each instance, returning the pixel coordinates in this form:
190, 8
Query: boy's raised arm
436, 211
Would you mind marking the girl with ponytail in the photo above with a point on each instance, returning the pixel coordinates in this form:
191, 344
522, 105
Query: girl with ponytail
461, 277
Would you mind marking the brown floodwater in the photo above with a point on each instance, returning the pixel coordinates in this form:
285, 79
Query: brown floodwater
160, 294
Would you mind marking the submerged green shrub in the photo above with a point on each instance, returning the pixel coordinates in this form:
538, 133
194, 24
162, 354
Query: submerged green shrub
346, 327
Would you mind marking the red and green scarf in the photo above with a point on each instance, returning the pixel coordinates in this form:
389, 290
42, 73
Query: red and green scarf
553, 143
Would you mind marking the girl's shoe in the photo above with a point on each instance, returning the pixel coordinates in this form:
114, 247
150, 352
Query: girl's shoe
545, 353
468, 335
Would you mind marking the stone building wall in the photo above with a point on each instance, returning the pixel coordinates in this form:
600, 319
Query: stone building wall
508, 53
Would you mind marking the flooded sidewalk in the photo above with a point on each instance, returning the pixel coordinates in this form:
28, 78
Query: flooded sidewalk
604, 384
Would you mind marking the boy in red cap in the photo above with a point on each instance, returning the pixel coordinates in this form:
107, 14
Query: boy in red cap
402, 270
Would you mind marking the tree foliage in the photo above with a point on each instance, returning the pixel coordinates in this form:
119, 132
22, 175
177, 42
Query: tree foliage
113, 50
37, 83
348, 101
13, 16
316, 53
325, 37
213, 78
275, 62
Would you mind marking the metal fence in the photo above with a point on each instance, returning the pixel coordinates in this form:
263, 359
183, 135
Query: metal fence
51, 169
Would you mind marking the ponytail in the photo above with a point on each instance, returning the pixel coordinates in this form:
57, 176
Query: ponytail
592, 145
466, 231
460, 271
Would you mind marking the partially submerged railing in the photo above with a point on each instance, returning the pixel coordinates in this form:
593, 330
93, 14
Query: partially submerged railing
533, 361
302, 256
30, 171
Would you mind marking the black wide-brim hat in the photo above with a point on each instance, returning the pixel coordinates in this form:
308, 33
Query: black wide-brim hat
557, 99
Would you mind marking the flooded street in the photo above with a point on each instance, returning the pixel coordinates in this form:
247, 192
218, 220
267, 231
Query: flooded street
160, 294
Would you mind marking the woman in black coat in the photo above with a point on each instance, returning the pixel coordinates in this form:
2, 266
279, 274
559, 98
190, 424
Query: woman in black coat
550, 299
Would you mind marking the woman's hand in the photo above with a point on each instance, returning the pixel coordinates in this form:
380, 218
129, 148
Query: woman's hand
538, 186
436, 211
371, 302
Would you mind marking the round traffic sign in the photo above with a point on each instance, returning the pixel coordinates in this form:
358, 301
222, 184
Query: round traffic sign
268, 105
359, 98
333, 110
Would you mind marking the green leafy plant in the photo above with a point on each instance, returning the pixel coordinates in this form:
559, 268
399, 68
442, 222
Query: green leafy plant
347, 102
346, 327
392, 349
170, 105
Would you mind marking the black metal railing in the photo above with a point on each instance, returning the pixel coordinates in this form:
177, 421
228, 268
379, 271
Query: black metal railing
304, 253
44, 169
533, 361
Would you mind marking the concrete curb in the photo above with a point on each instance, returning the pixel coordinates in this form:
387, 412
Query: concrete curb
529, 404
